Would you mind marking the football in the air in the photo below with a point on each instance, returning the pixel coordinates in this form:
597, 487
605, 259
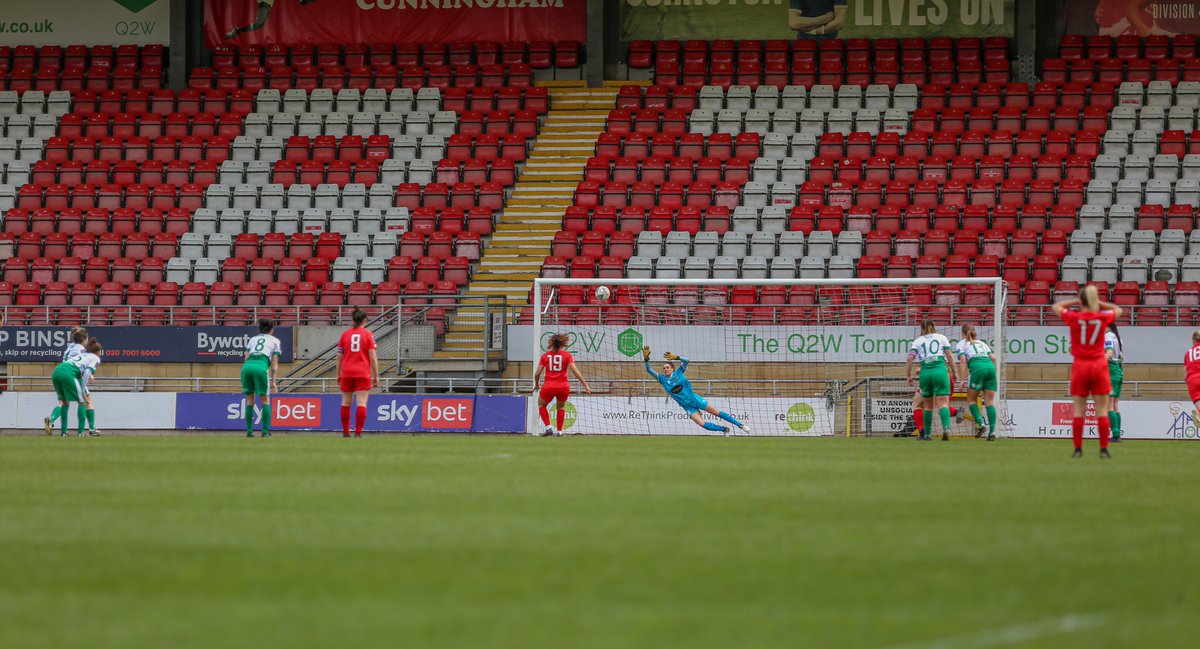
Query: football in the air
602, 294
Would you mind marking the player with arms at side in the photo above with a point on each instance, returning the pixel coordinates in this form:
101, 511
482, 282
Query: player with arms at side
358, 371
70, 381
679, 388
978, 364
555, 364
259, 372
1088, 318
932, 350
1114, 352
75, 348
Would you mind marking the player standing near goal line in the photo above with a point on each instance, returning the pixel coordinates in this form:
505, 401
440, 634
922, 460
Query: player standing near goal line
70, 381
1114, 351
358, 371
555, 364
258, 374
978, 364
75, 348
932, 350
679, 388
1088, 318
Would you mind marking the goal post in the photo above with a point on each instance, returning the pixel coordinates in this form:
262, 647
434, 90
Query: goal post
787, 357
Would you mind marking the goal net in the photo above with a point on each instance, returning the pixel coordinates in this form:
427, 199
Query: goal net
784, 357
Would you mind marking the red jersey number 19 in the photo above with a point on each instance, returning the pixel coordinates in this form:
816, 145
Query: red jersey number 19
556, 363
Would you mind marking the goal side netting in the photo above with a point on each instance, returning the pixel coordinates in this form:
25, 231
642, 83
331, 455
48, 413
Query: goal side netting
784, 357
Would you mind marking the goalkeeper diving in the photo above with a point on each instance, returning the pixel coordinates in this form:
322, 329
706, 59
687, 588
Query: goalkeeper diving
679, 388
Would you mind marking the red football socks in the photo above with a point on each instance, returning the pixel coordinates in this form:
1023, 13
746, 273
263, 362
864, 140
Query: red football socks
1105, 431
361, 419
345, 420
545, 415
1077, 432
919, 419
560, 417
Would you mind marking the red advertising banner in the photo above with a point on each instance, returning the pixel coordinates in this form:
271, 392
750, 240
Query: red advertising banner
1132, 17
264, 22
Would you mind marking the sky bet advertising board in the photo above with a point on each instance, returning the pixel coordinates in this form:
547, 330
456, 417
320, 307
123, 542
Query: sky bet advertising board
139, 344
385, 413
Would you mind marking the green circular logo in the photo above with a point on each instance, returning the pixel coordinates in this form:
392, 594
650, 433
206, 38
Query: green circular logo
571, 415
801, 417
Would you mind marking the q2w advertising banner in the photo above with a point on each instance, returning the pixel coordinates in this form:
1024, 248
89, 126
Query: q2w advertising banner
659, 415
85, 22
815, 19
139, 344
243, 22
1044, 344
385, 413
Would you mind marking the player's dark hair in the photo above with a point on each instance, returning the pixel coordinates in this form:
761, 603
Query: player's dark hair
927, 327
968, 332
266, 326
79, 335
1113, 327
1196, 336
359, 317
93, 346
558, 341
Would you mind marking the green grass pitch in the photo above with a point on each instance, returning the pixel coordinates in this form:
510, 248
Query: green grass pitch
490, 543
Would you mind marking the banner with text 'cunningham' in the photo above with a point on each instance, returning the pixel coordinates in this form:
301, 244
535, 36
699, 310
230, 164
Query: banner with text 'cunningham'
814, 19
139, 344
85, 22
1045, 344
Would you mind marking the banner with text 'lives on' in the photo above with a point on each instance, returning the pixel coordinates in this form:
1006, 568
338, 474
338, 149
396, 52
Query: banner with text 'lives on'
243, 22
814, 19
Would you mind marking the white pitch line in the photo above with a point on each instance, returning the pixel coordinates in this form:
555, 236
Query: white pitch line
1010, 635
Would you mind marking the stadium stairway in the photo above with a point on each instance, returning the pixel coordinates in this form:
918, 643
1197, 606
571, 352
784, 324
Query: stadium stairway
533, 213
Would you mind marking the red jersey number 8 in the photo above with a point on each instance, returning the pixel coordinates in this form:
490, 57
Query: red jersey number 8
356, 343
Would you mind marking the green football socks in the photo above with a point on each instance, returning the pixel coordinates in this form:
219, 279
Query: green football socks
928, 422
266, 420
91, 418
975, 413
1114, 418
63, 417
991, 413
249, 420
82, 412
944, 414
55, 414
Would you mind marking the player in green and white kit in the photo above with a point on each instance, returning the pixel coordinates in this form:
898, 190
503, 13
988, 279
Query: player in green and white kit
978, 363
258, 374
1114, 351
70, 381
75, 348
932, 350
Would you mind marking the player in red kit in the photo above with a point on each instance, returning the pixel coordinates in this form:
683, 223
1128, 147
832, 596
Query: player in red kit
358, 371
1191, 361
1088, 318
555, 365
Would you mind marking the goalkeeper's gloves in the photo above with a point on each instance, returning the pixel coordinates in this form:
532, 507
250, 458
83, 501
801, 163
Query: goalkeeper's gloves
669, 356
646, 353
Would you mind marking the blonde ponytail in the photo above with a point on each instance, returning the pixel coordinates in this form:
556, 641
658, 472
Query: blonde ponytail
1089, 298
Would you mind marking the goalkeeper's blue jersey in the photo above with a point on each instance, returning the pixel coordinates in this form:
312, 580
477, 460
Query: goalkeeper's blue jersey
678, 386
